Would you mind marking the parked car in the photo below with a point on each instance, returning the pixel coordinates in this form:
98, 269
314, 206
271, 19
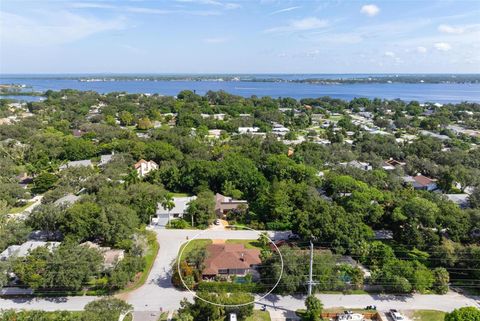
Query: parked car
233, 317
217, 222
397, 316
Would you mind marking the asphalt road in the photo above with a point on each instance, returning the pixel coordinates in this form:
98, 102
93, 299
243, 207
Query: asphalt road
159, 294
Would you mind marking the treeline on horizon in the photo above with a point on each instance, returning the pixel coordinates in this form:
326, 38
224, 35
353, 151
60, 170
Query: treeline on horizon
300, 78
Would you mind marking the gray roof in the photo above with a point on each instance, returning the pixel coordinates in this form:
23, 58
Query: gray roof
80, 163
181, 205
25, 248
105, 159
68, 199
459, 199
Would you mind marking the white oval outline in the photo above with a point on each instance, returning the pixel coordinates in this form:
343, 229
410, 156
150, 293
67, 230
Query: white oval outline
230, 305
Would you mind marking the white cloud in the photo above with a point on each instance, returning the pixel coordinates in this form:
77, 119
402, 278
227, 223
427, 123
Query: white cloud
225, 5
231, 6
49, 28
310, 23
450, 29
146, 10
151, 10
284, 10
421, 49
90, 5
143, 10
215, 40
370, 10
389, 54
443, 46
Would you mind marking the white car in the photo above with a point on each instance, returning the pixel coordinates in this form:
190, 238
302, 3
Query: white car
397, 316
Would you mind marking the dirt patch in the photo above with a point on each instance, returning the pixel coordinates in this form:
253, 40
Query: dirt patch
218, 241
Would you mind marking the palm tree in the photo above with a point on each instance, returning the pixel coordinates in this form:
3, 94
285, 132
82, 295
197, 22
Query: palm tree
168, 204
132, 178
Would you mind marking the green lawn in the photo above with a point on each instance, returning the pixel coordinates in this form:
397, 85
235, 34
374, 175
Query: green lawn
180, 194
194, 245
249, 244
16, 210
335, 118
426, 315
259, 316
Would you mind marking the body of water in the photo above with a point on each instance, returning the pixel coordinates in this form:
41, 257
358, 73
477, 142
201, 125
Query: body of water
22, 97
423, 92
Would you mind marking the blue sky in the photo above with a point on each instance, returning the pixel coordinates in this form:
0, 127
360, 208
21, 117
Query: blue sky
261, 36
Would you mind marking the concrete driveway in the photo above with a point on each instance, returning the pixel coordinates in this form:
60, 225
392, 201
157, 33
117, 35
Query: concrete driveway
158, 292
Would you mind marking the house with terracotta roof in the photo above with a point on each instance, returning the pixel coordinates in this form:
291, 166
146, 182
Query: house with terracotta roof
144, 167
230, 259
421, 182
225, 204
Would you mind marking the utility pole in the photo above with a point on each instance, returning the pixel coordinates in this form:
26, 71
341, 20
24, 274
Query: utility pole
310, 277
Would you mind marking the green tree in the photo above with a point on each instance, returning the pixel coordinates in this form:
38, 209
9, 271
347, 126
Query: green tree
70, 266
83, 221
106, 309
242, 310
12, 232
121, 222
314, 309
126, 118
144, 198
201, 210
144, 123
31, 269
442, 279
43, 182
132, 178
168, 204
46, 217
464, 314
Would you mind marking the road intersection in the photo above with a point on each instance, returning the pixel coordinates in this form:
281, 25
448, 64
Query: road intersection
158, 293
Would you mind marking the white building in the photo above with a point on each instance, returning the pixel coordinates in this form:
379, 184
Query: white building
143, 167
25, 248
359, 165
180, 208
80, 163
279, 129
105, 159
246, 130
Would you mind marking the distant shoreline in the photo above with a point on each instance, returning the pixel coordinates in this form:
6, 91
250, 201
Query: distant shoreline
322, 79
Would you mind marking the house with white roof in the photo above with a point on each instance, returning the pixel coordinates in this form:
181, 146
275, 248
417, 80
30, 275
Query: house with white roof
180, 208
23, 249
80, 163
105, 159
360, 165
67, 200
247, 130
